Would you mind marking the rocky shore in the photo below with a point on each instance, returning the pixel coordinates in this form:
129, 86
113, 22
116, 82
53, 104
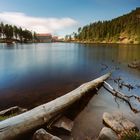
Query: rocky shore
116, 126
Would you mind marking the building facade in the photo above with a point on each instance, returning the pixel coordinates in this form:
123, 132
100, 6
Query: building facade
44, 38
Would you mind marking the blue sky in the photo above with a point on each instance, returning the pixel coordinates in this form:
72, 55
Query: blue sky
73, 13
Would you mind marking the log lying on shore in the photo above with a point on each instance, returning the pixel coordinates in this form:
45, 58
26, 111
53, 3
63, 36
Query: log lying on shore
35, 118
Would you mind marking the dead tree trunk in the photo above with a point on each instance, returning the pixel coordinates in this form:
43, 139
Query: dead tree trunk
23, 123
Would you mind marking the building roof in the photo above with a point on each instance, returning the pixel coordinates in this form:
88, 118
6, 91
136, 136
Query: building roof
44, 34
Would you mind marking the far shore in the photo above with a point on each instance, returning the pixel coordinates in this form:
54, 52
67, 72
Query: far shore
101, 42
11, 41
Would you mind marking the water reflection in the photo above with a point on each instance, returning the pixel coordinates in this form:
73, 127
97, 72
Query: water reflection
24, 66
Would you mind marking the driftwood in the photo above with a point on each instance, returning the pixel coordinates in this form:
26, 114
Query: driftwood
122, 84
122, 96
35, 118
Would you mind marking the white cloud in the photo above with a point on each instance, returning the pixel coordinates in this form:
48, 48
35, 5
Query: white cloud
38, 24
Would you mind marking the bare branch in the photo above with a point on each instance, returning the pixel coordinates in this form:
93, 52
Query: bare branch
122, 96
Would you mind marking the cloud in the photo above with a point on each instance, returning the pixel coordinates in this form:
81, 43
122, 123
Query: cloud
38, 24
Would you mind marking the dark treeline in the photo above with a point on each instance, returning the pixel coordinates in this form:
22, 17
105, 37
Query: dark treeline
124, 28
9, 33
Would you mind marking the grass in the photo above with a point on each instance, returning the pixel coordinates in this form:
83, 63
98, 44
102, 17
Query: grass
6, 117
130, 135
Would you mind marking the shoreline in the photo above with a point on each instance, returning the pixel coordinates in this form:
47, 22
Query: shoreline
89, 42
14, 41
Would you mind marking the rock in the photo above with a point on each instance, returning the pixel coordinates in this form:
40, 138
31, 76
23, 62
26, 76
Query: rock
12, 110
107, 134
118, 123
64, 123
135, 64
42, 134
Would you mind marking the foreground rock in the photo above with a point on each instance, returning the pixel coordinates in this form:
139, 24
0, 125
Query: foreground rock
135, 64
107, 134
12, 110
42, 134
118, 123
64, 123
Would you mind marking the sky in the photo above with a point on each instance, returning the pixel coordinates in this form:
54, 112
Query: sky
61, 17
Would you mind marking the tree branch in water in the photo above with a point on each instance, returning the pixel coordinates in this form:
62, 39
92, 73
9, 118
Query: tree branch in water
122, 96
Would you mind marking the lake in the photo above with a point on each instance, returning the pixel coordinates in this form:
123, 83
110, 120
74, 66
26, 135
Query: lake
33, 74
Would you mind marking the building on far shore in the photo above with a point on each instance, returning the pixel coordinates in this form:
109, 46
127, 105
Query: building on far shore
55, 38
44, 38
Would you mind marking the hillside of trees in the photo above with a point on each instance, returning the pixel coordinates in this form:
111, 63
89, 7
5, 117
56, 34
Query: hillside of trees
9, 34
124, 29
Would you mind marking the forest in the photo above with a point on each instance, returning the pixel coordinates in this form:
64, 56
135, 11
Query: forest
9, 33
124, 29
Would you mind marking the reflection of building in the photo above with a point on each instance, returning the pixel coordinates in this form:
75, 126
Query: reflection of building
44, 37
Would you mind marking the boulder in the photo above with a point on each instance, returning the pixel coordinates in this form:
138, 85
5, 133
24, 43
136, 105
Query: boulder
12, 110
107, 134
118, 123
64, 123
42, 134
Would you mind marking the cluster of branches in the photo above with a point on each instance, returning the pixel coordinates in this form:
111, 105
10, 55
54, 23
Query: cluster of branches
112, 30
9, 32
122, 96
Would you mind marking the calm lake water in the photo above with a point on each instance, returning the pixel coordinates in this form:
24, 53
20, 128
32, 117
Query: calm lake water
32, 74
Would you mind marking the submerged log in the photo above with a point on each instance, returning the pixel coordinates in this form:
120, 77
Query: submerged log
35, 118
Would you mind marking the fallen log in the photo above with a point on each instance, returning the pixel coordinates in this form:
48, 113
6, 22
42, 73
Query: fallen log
35, 118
